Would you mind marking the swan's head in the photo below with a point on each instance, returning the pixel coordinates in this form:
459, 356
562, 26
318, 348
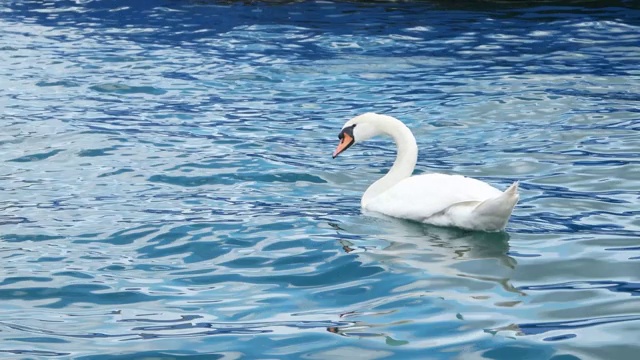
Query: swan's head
358, 129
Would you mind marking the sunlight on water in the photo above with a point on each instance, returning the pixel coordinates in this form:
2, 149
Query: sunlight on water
168, 187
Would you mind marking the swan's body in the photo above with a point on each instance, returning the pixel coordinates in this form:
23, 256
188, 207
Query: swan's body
437, 199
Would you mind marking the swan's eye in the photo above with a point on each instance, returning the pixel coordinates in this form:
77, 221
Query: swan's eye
349, 131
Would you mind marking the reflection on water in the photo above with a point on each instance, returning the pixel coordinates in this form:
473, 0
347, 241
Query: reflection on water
430, 248
448, 264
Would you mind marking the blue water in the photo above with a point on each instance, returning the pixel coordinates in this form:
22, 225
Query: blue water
168, 189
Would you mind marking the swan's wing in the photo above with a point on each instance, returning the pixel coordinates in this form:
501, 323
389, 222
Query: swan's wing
419, 197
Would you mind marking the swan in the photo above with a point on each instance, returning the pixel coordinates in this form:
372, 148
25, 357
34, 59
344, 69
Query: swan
433, 198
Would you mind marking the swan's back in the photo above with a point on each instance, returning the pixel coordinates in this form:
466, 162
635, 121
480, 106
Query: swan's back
423, 196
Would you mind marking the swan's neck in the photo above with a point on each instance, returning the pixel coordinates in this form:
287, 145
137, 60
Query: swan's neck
405, 162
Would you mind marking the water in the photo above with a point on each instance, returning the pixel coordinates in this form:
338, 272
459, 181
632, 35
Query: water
168, 189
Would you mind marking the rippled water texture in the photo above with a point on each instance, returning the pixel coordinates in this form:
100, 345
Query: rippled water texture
168, 188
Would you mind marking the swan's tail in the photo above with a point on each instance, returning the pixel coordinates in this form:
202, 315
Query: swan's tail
495, 212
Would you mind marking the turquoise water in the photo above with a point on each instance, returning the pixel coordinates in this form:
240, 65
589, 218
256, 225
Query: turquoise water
168, 190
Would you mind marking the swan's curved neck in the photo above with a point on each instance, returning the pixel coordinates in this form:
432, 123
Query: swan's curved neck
406, 157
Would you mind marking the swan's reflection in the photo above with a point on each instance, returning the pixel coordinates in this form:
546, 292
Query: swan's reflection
469, 270
443, 254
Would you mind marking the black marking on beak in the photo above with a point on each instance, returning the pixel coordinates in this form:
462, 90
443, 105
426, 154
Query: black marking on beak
346, 140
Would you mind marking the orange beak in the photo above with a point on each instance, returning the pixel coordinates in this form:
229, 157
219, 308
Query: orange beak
344, 144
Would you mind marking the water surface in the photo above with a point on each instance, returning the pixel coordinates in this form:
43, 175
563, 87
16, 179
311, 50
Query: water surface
168, 188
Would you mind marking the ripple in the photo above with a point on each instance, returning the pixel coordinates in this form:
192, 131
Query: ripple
623, 286
57, 83
37, 157
538, 328
231, 179
34, 352
127, 89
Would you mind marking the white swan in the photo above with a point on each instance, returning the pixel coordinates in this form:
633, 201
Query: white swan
437, 199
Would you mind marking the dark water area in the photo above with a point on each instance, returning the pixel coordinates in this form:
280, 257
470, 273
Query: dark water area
168, 189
